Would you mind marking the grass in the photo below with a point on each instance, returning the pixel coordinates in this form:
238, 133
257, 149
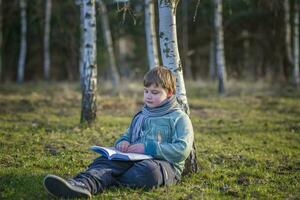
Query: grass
248, 141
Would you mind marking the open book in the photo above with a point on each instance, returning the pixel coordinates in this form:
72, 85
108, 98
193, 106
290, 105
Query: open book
111, 153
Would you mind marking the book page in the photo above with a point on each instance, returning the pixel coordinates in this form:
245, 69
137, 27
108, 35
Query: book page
113, 154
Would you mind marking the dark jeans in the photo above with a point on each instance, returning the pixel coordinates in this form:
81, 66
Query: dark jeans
103, 173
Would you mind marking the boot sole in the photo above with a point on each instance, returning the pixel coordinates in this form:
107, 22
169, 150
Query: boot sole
59, 187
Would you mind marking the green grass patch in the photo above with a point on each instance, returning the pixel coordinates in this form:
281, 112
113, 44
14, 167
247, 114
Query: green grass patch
248, 141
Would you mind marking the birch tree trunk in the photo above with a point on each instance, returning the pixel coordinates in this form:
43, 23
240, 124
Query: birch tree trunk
109, 44
171, 59
47, 39
151, 39
296, 45
23, 44
185, 40
220, 57
88, 107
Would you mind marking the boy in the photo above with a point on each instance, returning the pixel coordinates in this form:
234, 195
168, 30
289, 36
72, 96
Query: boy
161, 129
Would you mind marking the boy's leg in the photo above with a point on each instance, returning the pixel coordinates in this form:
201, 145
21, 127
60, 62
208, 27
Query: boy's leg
148, 174
101, 174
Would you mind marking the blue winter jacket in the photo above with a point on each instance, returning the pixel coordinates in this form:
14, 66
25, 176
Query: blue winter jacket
169, 137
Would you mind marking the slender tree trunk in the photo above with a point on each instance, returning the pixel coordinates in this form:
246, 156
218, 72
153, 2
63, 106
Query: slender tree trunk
220, 57
152, 50
171, 59
47, 40
109, 44
288, 39
185, 40
23, 44
250, 70
89, 108
296, 45
0, 40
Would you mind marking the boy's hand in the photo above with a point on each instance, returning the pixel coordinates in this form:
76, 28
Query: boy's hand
136, 148
123, 146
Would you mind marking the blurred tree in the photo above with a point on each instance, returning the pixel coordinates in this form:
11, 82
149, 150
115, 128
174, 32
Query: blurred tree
171, 59
47, 39
114, 74
151, 39
219, 37
212, 47
212, 60
89, 97
296, 44
23, 43
185, 39
81, 48
288, 58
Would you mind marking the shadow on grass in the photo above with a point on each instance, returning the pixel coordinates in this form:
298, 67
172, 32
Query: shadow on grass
22, 186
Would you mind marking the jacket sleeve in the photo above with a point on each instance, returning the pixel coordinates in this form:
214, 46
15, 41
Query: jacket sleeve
180, 147
124, 137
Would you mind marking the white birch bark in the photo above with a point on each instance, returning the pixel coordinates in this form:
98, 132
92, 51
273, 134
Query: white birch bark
185, 40
89, 108
151, 38
109, 44
23, 44
296, 45
169, 48
47, 39
220, 57
171, 59
288, 39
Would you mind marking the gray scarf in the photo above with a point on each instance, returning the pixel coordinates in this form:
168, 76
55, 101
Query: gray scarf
166, 107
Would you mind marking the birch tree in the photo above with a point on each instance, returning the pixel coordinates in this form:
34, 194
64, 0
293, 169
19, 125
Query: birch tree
88, 107
170, 58
23, 44
109, 44
296, 45
47, 39
219, 37
151, 39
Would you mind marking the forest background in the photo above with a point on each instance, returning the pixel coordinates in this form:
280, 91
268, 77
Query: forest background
254, 39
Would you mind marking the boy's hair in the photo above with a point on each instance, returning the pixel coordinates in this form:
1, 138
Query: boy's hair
161, 76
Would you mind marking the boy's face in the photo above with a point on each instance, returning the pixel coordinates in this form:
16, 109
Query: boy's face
154, 95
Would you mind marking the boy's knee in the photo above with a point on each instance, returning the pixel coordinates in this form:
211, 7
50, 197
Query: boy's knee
145, 174
151, 170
